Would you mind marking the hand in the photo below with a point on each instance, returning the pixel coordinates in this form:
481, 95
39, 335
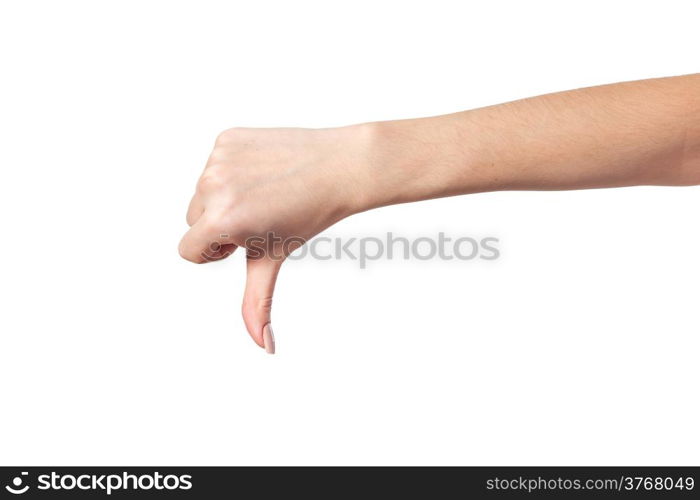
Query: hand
264, 187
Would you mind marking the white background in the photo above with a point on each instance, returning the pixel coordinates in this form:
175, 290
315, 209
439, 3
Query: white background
579, 346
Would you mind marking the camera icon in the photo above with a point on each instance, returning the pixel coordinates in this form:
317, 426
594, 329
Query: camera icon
16, 488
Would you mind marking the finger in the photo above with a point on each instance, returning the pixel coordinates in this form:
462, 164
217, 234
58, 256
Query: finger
196, 207
204, 243
195, 210
257, 300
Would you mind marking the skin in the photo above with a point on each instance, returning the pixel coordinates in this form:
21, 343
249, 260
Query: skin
298, 182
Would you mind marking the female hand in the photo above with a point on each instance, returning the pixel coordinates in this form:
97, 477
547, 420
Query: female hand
268, 190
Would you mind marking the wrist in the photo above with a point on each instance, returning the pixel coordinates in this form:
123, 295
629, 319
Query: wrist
412, 160
357, 148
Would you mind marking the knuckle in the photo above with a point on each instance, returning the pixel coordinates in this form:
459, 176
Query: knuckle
264, 304
226, 136
210, 181
257, 305
216, 157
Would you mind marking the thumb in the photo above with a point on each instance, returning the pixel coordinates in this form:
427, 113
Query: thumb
257, 300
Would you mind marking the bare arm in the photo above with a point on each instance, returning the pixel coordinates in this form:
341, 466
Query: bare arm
633, 133
294, 183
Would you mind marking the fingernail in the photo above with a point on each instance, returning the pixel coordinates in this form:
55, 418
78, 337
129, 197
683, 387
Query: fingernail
269, 339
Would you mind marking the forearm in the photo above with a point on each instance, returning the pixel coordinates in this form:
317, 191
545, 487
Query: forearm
634, 133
